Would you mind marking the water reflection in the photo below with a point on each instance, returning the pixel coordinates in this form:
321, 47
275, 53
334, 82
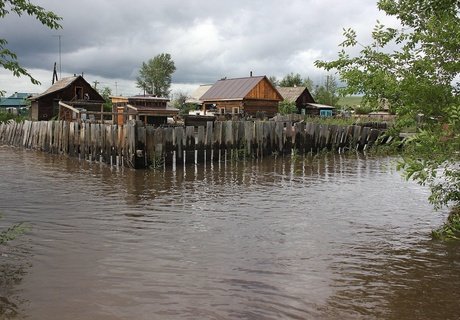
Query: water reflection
13, 268
334, 237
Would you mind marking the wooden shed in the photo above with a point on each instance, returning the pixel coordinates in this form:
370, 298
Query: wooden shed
322, 110
74, 91
250, 96
299, 95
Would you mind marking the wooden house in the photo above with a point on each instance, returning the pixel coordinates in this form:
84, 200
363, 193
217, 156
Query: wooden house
249, 96
74, 91
305, 102
321, 110
299, 95
149, 109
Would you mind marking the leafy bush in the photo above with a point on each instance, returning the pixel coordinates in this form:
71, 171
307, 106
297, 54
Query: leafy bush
4, 117
450, 230
287, 107
363, 109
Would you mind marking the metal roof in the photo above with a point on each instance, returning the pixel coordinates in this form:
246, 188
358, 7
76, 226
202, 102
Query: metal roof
18, 99
320, 106
231, 89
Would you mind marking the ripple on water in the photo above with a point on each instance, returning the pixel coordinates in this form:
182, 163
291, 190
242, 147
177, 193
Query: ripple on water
330, 237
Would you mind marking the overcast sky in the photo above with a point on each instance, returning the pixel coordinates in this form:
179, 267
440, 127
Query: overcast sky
208, 40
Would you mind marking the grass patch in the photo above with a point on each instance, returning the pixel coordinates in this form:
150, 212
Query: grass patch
350, 101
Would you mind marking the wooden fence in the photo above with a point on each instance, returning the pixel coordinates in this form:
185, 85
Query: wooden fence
138, 146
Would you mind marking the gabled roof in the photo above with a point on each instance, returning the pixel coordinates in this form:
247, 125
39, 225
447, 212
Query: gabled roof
291, 93
231, 89
58, 86
196, 95
17, 99
19, 95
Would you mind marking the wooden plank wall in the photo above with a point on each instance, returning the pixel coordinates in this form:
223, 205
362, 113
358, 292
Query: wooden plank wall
137, 146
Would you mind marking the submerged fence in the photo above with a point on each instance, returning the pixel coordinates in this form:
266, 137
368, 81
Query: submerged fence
138, 146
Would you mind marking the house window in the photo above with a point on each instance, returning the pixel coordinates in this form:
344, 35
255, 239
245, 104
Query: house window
235, 110
78, 93
325, 113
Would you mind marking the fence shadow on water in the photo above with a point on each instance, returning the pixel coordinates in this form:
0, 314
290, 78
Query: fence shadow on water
138, 146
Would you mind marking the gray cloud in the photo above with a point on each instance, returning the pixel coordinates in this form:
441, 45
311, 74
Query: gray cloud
207, 39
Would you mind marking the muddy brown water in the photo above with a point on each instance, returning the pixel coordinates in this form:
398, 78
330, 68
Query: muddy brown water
333, 237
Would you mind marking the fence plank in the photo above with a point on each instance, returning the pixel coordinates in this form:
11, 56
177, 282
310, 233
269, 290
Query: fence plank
139, 146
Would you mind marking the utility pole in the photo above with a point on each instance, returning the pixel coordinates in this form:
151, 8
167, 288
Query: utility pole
95, 84
116, 88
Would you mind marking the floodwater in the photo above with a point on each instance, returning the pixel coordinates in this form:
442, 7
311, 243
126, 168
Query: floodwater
331, 237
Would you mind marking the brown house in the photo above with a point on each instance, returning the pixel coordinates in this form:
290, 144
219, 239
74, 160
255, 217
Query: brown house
148, 109
248, 96
74, 91
304, 101
299, 95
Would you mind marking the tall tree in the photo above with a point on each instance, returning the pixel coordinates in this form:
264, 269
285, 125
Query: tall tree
296, 80
155, 75
417, 78
106, 92
9, 59
326, 93
291, 80
273, 80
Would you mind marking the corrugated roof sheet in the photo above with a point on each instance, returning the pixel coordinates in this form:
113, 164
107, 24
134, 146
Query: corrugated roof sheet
13, 102
18, 99
231, 89
59, 85
320, 106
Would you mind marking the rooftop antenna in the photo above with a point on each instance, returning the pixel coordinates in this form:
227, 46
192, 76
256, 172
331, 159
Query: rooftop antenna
60, 65
55, 77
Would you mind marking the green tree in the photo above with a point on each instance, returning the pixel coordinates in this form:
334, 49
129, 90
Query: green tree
291, 80
178, 102
106, 93
287, 107
155, 75
307, 82
327, 92
9, 59
295, 80
274, 81
416, 79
